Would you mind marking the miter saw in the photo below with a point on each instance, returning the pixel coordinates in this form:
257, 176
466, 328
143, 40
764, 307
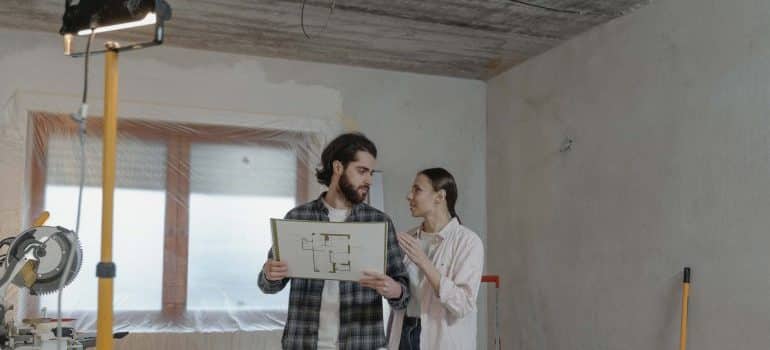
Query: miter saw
37, 259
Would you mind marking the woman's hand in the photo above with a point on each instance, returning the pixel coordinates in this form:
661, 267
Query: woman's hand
411, 246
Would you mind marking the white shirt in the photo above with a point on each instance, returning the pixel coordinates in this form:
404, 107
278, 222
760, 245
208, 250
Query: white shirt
447, 316
329, 318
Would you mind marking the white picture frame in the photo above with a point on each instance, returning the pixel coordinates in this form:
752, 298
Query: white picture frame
330, 250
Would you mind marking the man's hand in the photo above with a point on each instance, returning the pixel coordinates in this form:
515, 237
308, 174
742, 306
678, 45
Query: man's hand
275, 270
382, 283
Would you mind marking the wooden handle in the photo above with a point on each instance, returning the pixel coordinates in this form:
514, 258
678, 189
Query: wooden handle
41, 219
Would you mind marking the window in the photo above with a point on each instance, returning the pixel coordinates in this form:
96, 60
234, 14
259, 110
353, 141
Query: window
191, 220
225, 210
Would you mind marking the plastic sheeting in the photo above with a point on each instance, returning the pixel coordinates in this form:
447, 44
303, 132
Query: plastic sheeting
192, 209
12, 160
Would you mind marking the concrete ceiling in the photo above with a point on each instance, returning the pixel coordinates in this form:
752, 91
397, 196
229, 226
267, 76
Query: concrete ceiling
474, 39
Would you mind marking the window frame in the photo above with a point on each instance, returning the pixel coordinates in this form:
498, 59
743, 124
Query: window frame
178, 138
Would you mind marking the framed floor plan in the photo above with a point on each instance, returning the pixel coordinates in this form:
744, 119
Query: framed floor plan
330, 250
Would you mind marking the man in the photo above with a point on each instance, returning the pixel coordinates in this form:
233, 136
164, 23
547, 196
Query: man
340, 314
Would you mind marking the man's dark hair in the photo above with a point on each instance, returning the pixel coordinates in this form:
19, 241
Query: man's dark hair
343, 148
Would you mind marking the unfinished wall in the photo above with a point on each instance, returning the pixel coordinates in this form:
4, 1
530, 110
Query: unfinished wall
416, 121
670, 167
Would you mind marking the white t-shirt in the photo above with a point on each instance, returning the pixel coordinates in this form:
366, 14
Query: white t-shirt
428, 243
329, 319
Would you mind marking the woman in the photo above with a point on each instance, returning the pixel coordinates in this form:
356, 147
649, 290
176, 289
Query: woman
445, 261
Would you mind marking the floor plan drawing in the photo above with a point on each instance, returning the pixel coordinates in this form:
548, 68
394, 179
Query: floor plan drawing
331, 251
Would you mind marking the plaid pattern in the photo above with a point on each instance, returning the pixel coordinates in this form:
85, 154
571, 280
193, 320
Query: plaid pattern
360, 308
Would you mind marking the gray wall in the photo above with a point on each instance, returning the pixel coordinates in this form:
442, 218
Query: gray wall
669, 111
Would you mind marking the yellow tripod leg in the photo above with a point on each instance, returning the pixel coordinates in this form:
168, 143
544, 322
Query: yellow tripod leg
105, 270
685, 304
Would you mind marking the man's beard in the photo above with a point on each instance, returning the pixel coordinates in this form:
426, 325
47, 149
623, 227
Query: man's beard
350, 192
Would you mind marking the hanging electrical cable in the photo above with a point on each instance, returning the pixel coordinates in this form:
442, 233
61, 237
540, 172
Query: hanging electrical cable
80, 118
302, 18
547, 8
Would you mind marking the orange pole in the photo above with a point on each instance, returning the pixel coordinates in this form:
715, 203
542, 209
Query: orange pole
685, 304
106, 268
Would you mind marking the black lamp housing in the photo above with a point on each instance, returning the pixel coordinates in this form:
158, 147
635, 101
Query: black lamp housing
89, 16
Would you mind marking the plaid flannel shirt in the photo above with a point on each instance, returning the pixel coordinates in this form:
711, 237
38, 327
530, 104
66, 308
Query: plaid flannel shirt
361, 320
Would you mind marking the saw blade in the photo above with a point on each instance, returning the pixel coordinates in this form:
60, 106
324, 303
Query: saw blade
50, 272
56, 242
